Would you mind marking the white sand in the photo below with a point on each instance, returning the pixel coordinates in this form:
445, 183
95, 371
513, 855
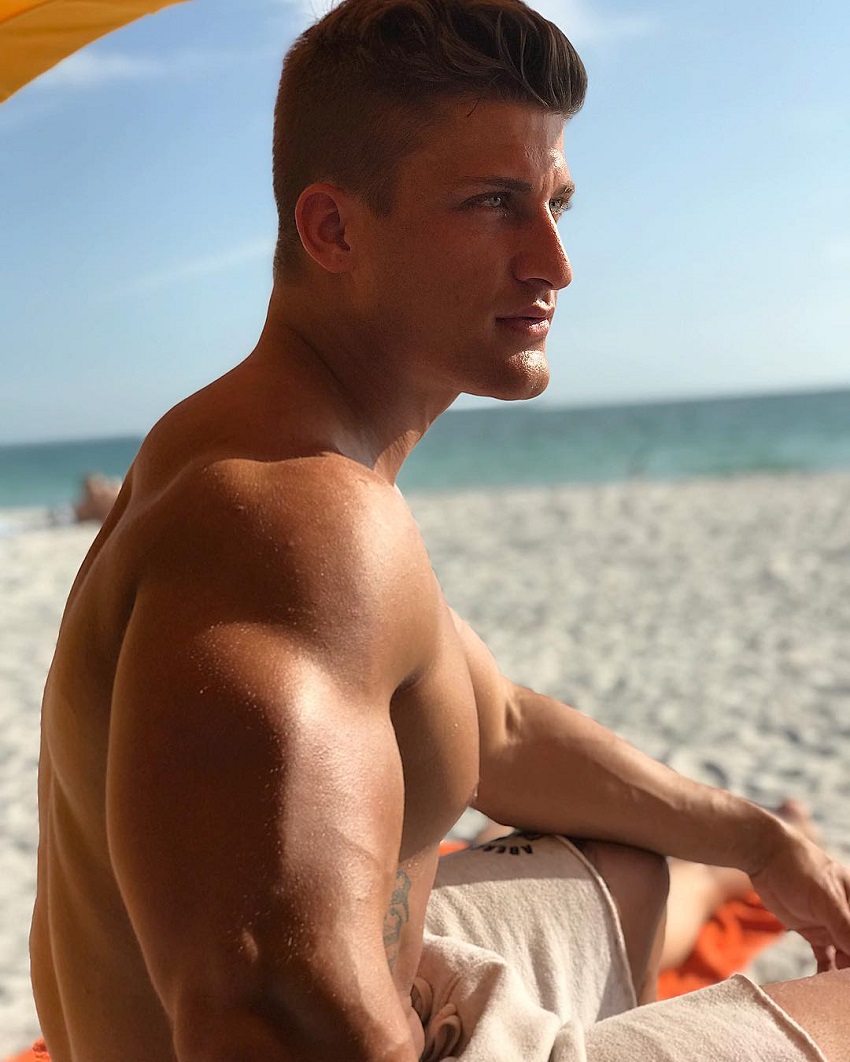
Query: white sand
36, 572
707, 621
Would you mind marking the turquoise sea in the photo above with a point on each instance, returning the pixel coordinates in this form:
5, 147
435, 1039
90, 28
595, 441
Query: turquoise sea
521, 445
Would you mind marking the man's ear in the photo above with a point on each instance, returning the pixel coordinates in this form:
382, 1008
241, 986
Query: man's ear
321, 215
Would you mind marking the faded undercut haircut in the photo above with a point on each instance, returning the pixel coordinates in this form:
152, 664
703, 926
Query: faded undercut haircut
362, 86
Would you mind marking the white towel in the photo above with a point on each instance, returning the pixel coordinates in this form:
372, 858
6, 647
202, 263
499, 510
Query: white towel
524, 961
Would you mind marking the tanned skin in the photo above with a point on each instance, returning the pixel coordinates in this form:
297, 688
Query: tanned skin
262, 716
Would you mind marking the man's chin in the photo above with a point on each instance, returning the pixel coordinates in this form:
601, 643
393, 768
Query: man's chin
525, 376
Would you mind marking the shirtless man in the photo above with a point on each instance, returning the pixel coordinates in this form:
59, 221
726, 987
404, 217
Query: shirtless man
262, 715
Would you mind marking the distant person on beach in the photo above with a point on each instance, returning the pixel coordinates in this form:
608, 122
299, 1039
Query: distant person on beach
96, 498
93, 504
262, 715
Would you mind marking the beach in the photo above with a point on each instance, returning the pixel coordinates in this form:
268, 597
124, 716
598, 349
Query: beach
706, 620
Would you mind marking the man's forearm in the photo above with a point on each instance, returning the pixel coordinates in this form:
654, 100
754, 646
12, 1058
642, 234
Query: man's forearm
559, 771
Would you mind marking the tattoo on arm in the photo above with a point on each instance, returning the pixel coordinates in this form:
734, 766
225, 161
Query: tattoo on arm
396, 917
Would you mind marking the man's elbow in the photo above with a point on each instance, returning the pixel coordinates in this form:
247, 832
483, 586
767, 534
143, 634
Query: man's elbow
208, 1032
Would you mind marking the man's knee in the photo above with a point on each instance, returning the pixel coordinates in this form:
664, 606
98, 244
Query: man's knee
633, 873
639, 882
819, 1004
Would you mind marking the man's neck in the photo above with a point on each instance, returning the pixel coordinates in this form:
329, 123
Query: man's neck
377, 411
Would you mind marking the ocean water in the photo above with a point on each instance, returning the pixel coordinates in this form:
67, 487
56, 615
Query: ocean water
521, 445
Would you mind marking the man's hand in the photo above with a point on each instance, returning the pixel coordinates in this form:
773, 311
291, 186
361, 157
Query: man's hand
809, 892
417, 1033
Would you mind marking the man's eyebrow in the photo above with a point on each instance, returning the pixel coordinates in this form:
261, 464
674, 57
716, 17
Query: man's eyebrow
511, 184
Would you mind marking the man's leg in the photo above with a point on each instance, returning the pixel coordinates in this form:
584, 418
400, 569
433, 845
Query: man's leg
696, 891
638, 882
821, 1005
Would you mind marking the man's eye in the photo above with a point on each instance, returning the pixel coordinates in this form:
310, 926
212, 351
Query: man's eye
493, 201
559, 205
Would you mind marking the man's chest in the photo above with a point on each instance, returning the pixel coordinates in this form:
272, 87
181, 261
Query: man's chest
436, 727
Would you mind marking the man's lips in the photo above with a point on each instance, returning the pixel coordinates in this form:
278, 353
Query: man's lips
529, 313
531, 321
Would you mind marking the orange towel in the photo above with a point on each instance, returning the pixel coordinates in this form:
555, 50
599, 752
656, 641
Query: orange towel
448, 846
733, 936
37, 1053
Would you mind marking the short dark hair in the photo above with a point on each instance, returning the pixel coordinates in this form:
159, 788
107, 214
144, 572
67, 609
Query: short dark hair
361, 86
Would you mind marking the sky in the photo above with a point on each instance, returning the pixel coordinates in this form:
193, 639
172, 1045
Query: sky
710, 236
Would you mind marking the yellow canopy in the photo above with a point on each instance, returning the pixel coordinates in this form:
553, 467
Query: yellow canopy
37, 34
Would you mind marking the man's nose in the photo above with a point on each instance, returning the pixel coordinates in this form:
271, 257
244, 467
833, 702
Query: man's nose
543, 259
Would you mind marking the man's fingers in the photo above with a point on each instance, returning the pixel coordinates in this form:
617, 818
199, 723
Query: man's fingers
840, 927
825, 958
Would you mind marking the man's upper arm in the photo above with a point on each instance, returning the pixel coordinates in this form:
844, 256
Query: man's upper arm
255, 791
512, 720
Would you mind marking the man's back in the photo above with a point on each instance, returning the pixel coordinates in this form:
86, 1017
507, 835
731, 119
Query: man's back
245, 784
228, 552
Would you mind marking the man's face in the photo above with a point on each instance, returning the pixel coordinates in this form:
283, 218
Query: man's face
460, 279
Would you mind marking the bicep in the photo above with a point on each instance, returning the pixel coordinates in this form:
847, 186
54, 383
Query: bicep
254, 806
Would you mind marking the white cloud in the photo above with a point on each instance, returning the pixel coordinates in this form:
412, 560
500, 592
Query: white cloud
823, 118
205, 265
289, 18
311, 10
95, 66
90, 68
581, 20
584, 23
837, 251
